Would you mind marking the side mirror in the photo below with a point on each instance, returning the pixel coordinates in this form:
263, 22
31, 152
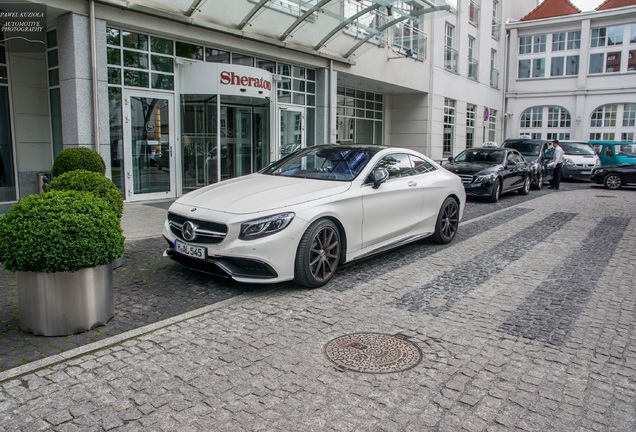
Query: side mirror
512, 163
379, 175
450, 158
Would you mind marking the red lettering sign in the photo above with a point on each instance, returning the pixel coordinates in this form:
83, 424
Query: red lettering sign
230, 78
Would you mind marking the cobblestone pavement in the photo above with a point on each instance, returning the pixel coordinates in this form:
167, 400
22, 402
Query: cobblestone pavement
525, 322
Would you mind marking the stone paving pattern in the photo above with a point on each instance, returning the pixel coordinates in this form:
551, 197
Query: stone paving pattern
255, 362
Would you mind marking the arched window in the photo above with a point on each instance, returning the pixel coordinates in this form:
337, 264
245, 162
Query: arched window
546, 122
615, 122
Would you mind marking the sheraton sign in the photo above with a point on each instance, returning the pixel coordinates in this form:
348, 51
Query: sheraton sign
225, 79
231, 78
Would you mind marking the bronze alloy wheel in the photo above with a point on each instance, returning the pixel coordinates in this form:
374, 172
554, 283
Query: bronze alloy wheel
318, 254
447, 222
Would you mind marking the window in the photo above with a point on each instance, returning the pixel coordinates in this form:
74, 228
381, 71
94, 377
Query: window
473, 12
538, 43
494, 72
471, 110
629, 115
561, 66
605, 62
614, 120
408, 36
525, 44
492, 125
558, 122
55, 101
607, 36
558, 41
604, 116
359, 116
450, 61
538, 67
524, 68
574, 40
449, 125
496, 22
473, 64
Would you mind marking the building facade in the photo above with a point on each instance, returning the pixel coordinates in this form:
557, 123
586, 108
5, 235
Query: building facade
572, 74
179, 94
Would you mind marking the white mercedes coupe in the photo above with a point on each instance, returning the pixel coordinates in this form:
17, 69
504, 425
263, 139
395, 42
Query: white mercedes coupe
302, 216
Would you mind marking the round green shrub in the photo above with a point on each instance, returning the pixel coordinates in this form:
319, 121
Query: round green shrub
59, 231
87, 181
71, 159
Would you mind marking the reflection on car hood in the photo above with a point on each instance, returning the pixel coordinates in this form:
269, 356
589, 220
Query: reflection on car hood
259, 192
472, 168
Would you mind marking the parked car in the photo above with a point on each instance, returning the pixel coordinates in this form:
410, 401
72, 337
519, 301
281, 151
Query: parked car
534, 151
489, 172
300, 217
579, 159
615, 176
615, 152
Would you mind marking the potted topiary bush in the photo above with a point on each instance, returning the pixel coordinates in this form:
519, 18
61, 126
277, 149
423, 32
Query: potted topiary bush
62, 244
88, 181
74, 158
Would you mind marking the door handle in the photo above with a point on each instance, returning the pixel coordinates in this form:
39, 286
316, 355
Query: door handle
412, 183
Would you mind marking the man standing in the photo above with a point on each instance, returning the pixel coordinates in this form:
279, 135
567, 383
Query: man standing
557, 163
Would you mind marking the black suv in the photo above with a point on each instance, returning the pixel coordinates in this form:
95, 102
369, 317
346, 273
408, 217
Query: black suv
534, 150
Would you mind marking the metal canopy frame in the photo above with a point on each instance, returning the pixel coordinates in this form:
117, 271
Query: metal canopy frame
279, 22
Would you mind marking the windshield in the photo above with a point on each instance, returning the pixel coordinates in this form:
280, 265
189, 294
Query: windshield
480, 156
323, 163
524, 147
577, 148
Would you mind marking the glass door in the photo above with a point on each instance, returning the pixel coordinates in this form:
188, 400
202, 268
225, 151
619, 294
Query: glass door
291, 129
149, 146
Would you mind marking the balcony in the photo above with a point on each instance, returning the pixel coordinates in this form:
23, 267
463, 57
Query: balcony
494, 78
473, 68
450, 59
496, 29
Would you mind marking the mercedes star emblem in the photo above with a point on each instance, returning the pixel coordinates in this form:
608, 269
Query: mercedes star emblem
189, 231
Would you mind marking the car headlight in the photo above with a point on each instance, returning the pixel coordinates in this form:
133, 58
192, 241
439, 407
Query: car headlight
485, 178
262, 227
569, 162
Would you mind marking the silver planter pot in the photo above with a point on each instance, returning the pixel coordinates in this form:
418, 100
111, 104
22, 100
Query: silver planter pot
65, 303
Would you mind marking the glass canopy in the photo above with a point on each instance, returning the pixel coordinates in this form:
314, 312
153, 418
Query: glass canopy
334, 29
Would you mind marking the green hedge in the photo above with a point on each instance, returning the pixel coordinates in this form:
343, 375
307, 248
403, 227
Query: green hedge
87, 181
59, 231
71, 159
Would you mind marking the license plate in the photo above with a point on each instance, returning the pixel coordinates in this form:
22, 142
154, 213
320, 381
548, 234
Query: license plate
586, 172
190, 250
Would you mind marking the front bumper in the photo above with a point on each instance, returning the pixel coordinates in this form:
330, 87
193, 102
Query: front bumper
479, 189
576, 173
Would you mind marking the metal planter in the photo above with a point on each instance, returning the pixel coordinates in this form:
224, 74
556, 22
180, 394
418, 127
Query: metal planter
65, 303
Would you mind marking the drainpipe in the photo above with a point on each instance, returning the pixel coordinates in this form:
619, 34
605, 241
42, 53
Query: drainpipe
93, 48
330, 103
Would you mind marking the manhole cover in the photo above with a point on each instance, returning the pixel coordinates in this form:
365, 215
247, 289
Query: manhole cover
373, 353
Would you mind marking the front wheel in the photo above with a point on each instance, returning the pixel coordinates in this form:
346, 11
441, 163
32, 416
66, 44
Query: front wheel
318, 254
447, 222
496, 190
526, 186
612, 181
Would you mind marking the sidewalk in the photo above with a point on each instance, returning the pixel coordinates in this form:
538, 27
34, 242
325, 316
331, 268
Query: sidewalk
523, 323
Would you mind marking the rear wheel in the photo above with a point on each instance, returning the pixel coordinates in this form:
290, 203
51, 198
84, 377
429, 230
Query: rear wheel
612, 181
496, 191
447, 222
526, 186
318, 254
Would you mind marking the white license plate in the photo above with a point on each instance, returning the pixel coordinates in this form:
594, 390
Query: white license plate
190, 250
586, 172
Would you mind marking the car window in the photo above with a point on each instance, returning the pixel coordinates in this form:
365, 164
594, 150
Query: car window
480, 156
397, 164
421, 166
528, 148
626, 150
331, 163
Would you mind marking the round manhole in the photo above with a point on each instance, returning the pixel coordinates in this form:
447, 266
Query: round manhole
373, 353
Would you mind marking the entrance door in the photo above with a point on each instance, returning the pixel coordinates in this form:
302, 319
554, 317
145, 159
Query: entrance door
149, 146
291, 129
